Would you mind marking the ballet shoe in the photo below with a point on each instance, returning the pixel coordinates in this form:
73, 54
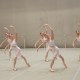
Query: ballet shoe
52, 70
46, 60
14, 69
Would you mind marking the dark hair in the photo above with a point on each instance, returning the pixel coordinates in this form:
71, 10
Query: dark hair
40, 32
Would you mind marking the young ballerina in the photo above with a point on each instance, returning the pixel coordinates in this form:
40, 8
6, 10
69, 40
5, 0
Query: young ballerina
76, 39
8, 40
50, 46
13, 45
43, 40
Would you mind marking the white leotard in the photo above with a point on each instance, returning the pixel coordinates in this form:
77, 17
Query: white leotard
13, 43
51, 43
50, 46
9, 40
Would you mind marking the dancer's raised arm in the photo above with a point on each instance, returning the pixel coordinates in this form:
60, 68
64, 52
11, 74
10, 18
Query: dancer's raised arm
48, 27
15, 31
40, 46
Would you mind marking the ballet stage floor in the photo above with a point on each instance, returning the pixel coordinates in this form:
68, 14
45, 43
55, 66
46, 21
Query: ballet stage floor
39, 69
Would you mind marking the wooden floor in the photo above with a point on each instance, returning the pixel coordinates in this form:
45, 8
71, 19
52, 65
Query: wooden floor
39, 69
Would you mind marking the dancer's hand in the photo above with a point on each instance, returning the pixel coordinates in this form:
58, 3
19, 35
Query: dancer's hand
13, 28
45, 26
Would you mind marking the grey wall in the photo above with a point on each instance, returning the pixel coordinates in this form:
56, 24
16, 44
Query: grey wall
28, 16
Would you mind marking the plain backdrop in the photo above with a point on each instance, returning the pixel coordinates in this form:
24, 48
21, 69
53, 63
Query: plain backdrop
28, 16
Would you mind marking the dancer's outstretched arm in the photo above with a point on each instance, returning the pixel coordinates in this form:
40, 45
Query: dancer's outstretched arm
40, 46
37, 42
6, 48
3, 42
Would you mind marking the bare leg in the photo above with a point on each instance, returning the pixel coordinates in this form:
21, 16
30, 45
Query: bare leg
14, 63
10, 54
52, 63
56, 53
63, 61
54, 57
25, 60
46, 56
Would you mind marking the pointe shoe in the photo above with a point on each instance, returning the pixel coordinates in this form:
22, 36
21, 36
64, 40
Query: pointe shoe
46, 60
14, 69
52, 70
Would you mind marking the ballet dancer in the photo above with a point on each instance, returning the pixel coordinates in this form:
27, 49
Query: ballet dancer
50, 46
8, 40
76, 39
42, 40
13, 45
